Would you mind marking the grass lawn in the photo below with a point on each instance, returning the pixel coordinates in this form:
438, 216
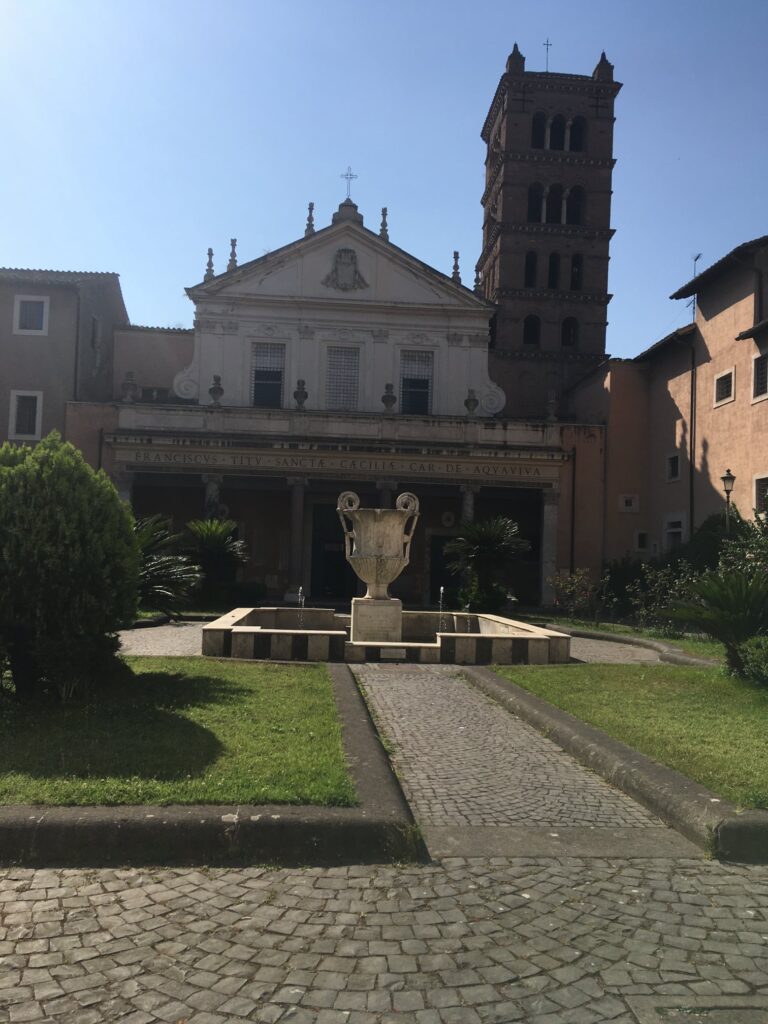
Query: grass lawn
691, 645
181, 731
707, 725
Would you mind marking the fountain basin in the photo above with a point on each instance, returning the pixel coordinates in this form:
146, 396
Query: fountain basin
453, 638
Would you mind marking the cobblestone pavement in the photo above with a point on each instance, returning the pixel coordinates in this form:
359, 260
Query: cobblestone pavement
564, 941
608, 652
182, 638
464, 760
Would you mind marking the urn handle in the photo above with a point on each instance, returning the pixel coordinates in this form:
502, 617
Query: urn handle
348, 502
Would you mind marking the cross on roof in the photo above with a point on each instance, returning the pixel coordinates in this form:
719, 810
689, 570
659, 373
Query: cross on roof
547, 46
350, 178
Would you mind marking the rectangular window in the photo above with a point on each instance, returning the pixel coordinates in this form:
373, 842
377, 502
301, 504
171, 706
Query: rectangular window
761, 495
30, 314
673, 533
416, 383
641, 541
25, 417
760, 378
268, 372
724, 387
342, 375
673, 467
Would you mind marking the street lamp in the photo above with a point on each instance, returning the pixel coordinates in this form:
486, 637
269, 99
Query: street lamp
728, 480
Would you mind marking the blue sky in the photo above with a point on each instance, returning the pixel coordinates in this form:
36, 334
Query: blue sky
139, 132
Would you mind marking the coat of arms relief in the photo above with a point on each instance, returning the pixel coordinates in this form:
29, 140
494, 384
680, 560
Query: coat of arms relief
344, 274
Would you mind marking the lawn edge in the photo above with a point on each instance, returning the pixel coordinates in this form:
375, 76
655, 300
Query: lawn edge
381, 830
706, 819
667, 652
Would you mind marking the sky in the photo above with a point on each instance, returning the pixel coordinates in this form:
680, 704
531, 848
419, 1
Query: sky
136, 133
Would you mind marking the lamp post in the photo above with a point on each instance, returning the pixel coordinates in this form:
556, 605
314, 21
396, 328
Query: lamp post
728, 480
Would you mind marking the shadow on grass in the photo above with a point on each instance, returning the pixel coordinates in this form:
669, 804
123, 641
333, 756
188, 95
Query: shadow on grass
130, 728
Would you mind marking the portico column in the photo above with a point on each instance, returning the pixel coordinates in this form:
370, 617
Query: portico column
296, 569
468, 502
212, 495
549, 512
386, 489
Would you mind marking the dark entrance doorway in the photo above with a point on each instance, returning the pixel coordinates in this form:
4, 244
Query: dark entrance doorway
439, 576
332, 579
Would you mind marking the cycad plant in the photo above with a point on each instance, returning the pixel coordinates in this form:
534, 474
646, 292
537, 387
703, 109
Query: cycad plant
484, 554
166, 577
211, 542
729, 607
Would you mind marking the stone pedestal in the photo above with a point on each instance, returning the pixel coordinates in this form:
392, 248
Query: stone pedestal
376, 620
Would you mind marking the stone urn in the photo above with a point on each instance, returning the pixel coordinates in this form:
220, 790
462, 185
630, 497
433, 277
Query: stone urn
377, 541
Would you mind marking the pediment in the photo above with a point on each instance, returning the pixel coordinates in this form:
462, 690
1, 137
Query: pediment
344, 263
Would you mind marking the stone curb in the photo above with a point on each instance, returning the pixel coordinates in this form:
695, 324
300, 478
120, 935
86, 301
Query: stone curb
667, 652
707, 820
380, 830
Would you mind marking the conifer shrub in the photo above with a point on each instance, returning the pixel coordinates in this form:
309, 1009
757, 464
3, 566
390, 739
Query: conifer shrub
68, 569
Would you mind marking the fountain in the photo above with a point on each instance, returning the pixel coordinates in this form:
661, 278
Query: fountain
377, 545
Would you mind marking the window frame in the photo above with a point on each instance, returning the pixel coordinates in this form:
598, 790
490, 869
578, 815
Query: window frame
347, 348
17, 301
758, 479
13, 434
670, 477
670, 527
763, 394
401, 377
730, 372
254, 368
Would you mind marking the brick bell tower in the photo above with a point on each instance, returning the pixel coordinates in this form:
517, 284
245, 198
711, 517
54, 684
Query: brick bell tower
547, 230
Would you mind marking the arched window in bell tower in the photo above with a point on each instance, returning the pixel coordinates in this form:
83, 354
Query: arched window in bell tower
531, 331
530, 270
553, 271
569, 332
557, 132
555, 204
538, 131
535, 200
578, 135
574, 206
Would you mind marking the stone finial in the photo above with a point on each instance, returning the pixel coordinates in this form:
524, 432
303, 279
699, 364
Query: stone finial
389, 398
515, 62
310, 228
209, 267
383, 230
604, 69
216, 390
551, 407
232, 265
478, 287
129, 389
470, 402
456, 276
300, 395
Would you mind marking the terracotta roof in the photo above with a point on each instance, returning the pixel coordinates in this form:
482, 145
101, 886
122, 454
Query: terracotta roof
72, 276
732, 259
145, 327
676, 335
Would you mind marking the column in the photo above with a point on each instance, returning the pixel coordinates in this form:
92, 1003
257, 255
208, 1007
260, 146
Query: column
298, 487
212, 495
386, 489
468, 492
549, 512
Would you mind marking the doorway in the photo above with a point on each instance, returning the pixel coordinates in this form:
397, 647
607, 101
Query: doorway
332, 579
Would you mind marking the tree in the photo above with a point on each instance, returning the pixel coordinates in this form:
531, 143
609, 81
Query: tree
68, 567
166, 577
484, 553
211, 543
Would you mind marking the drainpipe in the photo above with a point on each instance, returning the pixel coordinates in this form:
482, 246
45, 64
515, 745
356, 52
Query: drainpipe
76, 389
572, 564
692, 442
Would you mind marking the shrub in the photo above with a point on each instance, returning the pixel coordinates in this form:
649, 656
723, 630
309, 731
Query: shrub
658, 586
166, 578
754, 656
728, 607
484, 554
747, 552
212, 544
68, 568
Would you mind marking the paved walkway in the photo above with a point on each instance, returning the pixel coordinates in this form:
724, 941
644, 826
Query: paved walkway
476, 775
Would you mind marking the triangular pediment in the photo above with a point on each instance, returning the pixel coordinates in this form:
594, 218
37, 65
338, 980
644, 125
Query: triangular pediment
342, 263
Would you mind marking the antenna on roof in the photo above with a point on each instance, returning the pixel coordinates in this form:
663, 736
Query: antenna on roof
692, 302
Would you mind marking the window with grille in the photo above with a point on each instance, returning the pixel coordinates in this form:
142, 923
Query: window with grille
342, 376
268, 373
416, 383
760, 376
673, 467
761, 495
25, 414
724, 387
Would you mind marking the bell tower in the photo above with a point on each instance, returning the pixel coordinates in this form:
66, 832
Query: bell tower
547, 229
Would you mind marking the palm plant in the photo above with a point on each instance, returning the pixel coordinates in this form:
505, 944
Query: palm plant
212, 543
730, 608
166, 577
484, 554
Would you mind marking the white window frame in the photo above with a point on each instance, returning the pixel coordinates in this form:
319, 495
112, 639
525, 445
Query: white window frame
732, 397
675, 518
418, 351
629, 503
755, 478
646, 550
15, 395
672, 479
17, 301
764, 396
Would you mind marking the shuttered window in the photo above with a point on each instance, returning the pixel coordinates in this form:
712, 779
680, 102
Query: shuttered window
342, 377
268, 373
